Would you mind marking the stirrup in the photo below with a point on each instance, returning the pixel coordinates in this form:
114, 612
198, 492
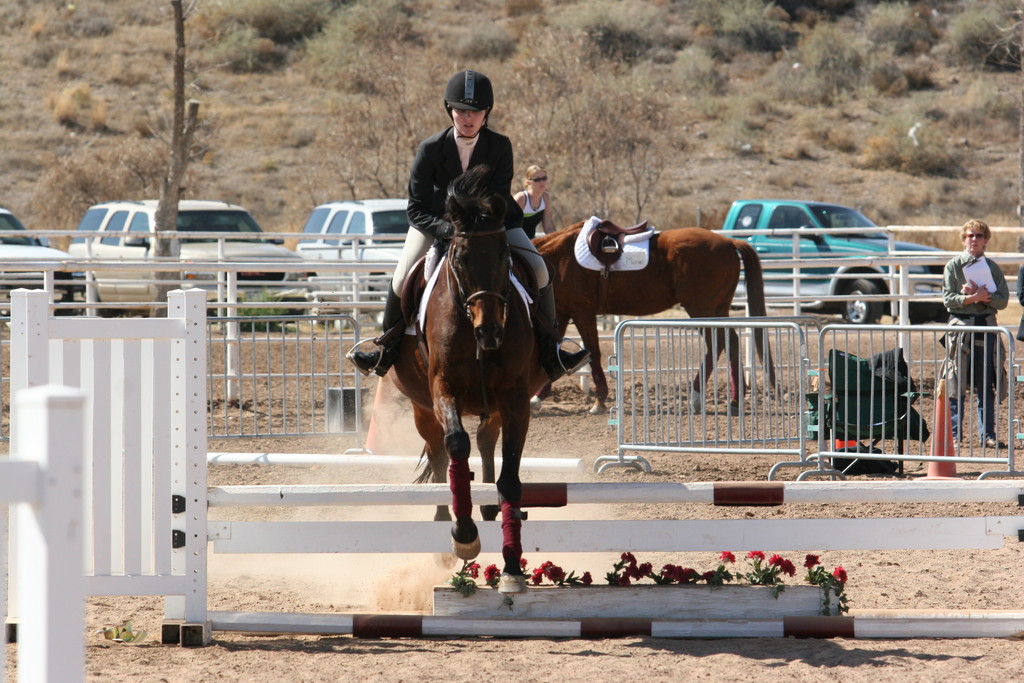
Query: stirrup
566, 362
364, 361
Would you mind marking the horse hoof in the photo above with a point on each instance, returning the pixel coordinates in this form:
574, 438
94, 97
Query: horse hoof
512, 583
733, 410
466, 551
598, 410
535, 404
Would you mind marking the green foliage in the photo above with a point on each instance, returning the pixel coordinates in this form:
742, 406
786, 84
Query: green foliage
901, 27
367, 26
254, 325
744, 24
984, 35
622, 31
485, 41
829, 64
283, 22
696, 73
242, 50
913, 145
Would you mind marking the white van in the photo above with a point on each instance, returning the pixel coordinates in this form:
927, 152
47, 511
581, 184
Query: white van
128, 226
351, 220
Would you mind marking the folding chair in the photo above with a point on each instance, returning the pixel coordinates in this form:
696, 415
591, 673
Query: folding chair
871, 399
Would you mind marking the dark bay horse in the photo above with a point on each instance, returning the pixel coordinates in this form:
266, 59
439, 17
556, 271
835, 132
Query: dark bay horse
481, 359
695, 268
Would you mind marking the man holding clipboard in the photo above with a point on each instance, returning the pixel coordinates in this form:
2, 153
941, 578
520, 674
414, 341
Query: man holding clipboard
973, 290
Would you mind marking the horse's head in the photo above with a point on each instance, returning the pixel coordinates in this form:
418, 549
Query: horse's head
478, 257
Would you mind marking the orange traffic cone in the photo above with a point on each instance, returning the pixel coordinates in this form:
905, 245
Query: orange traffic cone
942, 438
373, 443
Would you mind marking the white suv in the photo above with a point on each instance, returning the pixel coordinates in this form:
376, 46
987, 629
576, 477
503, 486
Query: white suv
355, 219
29, 248
127, 226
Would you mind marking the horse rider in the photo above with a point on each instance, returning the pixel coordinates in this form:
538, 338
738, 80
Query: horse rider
468, 142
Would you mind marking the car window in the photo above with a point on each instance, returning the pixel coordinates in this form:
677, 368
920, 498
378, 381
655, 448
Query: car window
831, 216
747, 220
9, 222
115, 228
92, 220
357, 226
315, 223
788, 217
390, 222
215, 221
139, 223
337, 223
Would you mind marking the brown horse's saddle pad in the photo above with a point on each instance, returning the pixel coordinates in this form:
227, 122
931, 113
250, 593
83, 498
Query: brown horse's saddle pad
607, 238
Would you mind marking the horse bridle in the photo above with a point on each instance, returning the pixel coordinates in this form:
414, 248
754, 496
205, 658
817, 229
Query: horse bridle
457, 290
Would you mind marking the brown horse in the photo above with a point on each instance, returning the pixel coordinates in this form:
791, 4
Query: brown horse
477, 355
695, 268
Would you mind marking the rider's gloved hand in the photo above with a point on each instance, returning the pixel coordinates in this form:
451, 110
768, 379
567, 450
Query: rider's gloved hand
445, 232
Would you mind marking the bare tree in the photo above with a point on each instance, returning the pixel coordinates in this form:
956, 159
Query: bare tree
182, 129
1020, 135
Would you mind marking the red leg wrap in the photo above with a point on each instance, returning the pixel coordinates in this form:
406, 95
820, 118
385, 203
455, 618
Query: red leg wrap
511, 526
462, 498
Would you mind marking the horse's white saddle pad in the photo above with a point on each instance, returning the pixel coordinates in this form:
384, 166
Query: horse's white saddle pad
435, 271
635, 249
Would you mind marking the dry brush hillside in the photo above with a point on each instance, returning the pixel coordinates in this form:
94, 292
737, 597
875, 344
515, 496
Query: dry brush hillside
636, 108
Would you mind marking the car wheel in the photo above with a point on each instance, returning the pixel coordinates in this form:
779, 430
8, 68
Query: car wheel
863, 312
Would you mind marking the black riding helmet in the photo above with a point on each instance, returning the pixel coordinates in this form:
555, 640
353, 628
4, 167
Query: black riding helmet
469, 90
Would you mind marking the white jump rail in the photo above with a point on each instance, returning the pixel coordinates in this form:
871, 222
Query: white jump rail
42, 482
638, 536
145, 472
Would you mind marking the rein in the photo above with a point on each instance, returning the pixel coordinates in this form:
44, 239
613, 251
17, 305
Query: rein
457, 291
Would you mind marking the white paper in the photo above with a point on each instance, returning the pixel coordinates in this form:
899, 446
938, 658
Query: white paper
980, 275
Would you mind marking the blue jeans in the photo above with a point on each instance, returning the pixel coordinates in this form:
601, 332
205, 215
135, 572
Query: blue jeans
981, 377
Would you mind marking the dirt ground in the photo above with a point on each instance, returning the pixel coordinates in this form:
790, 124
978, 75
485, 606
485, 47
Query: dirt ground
324, 583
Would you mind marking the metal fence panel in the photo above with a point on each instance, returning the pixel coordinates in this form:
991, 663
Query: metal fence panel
672, 397
269, 376
280, 376
877, 392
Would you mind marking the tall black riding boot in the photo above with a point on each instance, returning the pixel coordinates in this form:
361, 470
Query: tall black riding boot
554, 360
381, 360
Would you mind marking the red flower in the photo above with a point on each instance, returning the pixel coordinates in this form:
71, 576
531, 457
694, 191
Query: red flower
624, 580
586, 579
840, 574
491, 573
642, 571
811, 561
726, 556
788, 568
755, 555
707, 576
474, 570
522, 563
776, 560
554, 573
538, 576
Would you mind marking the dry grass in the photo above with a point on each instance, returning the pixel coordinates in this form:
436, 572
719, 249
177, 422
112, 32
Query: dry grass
710, 111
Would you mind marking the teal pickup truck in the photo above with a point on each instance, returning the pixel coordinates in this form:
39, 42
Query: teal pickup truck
771, 223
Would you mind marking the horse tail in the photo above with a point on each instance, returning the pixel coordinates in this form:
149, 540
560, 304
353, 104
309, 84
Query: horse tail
754, 277
425, 472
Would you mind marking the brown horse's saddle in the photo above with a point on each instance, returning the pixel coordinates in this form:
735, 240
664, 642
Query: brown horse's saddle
607, 240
